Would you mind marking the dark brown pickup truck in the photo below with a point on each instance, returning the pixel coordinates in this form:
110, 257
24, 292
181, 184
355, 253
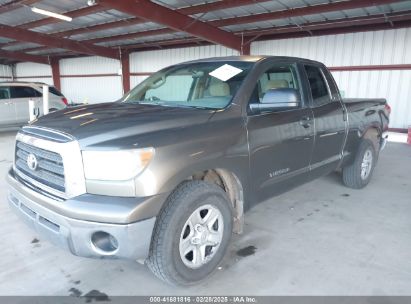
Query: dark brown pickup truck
164, 175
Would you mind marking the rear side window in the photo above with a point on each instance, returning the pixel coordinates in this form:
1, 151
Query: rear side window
4, 93
23, 92
54, 91
318, 86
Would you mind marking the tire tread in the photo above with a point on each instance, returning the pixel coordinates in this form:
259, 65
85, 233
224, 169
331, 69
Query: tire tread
351, 174
155, 261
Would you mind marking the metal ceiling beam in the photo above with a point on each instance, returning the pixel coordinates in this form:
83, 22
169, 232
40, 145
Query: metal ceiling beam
190, 10
153, 12
100, 27
246, 19
45, 21
216, 5
302, 11
178, 43
340, 30
132, 35
350, 4
115, 38
315, 9
338, 23
73, 14
253, 34
43, 39
23, 57
400, 19
13, 5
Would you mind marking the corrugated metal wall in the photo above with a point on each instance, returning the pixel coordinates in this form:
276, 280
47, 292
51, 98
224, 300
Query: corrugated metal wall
358, 49
152, 61
367, 48
30, 71
5, 72
395, 86
344, 50
80, 87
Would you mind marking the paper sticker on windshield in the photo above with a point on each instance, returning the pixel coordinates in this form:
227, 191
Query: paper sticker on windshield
225, 72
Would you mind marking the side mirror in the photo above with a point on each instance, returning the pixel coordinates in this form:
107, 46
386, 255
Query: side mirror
282, 98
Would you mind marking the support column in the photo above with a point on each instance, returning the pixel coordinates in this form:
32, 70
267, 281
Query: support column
55, 71
13, 72
125, 71
246, 49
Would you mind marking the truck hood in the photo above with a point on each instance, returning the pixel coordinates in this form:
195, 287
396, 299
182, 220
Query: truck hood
92, 124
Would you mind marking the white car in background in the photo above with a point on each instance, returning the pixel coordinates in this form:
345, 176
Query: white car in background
14, 105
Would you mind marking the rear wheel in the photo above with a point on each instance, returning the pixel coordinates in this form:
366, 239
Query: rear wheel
192, 233
358, 174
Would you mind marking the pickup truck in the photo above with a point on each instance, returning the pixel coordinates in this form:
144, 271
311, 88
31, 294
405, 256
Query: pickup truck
164, 175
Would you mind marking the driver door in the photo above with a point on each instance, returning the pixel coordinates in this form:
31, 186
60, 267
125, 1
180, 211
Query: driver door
280, 140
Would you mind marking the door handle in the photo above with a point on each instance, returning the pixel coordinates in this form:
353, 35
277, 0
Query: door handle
305, 122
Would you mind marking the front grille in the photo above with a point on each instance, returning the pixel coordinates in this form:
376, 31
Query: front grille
49, 171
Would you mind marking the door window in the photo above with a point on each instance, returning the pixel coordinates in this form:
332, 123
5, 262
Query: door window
4, 93
318, 86
276, 77
24, 92
54, 91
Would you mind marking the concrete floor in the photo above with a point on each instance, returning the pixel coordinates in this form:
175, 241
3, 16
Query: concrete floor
319, 239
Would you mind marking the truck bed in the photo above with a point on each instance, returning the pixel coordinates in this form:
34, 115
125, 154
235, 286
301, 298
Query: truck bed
359, 100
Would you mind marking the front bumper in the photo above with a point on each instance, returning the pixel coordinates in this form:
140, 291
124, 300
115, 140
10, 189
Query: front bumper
73, 234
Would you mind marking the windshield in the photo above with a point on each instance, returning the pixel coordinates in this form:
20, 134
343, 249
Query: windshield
209, 85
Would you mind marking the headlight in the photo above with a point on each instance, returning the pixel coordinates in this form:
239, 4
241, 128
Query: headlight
116, 165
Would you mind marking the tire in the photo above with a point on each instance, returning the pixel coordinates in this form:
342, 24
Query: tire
358, 174
165, 259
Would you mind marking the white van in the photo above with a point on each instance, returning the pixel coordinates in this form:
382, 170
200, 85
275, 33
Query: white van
14, 106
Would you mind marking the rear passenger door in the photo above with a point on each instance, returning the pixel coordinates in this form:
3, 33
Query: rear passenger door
329, 115
20, 96
7, 111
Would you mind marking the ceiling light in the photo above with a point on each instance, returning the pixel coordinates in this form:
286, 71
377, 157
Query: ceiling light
51, 14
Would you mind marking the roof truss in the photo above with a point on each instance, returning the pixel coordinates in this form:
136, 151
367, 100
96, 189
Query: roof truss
153, 12
44, 39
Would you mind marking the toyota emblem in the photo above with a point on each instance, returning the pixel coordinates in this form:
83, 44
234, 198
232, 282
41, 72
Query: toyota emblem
32, 161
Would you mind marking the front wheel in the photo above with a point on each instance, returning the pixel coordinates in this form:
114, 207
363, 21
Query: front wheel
358, 174
192, 233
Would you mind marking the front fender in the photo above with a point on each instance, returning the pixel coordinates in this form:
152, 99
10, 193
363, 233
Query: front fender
194, 150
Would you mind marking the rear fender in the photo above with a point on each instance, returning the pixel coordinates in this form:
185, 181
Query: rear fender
373, 134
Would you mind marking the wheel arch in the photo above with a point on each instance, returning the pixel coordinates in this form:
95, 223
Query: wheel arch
373, 133
230, 183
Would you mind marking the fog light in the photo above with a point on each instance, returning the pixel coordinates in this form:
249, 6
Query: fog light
104, 241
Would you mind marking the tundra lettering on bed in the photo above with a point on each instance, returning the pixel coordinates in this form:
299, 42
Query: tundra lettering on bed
164, 175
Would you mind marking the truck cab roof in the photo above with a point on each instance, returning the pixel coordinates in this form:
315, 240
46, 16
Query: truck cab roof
253, 59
